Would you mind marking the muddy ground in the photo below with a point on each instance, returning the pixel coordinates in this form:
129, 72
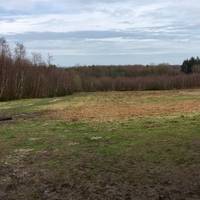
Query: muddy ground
22, 180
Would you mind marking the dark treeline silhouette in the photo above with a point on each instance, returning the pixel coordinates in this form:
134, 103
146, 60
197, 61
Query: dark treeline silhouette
191, 66
21, 77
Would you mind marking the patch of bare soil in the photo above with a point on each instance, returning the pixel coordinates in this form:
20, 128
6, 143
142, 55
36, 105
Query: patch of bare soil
22, 116
22, 179
30, 115
113, 111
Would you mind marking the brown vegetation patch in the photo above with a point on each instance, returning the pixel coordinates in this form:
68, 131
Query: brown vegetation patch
113, 111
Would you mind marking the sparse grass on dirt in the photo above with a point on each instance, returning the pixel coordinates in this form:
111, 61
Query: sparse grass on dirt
115, 145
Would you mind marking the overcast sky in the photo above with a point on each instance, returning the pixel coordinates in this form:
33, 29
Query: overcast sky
105, 31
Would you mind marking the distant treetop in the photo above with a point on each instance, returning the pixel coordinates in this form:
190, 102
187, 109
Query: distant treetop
191, 65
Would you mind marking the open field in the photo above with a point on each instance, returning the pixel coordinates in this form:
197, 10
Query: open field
115, 145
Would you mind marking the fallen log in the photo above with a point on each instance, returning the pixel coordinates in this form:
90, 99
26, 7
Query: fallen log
5, 119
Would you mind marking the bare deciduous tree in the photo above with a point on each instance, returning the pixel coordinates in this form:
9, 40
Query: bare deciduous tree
49, 59
20, 52
36, 58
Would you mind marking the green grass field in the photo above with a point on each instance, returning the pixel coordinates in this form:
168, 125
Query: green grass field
115, 145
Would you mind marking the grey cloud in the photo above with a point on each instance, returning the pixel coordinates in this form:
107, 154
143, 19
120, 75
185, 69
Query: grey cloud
158, 30
162, 32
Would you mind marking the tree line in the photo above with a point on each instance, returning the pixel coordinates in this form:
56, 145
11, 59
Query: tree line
191, 65
22, 77
136, 77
